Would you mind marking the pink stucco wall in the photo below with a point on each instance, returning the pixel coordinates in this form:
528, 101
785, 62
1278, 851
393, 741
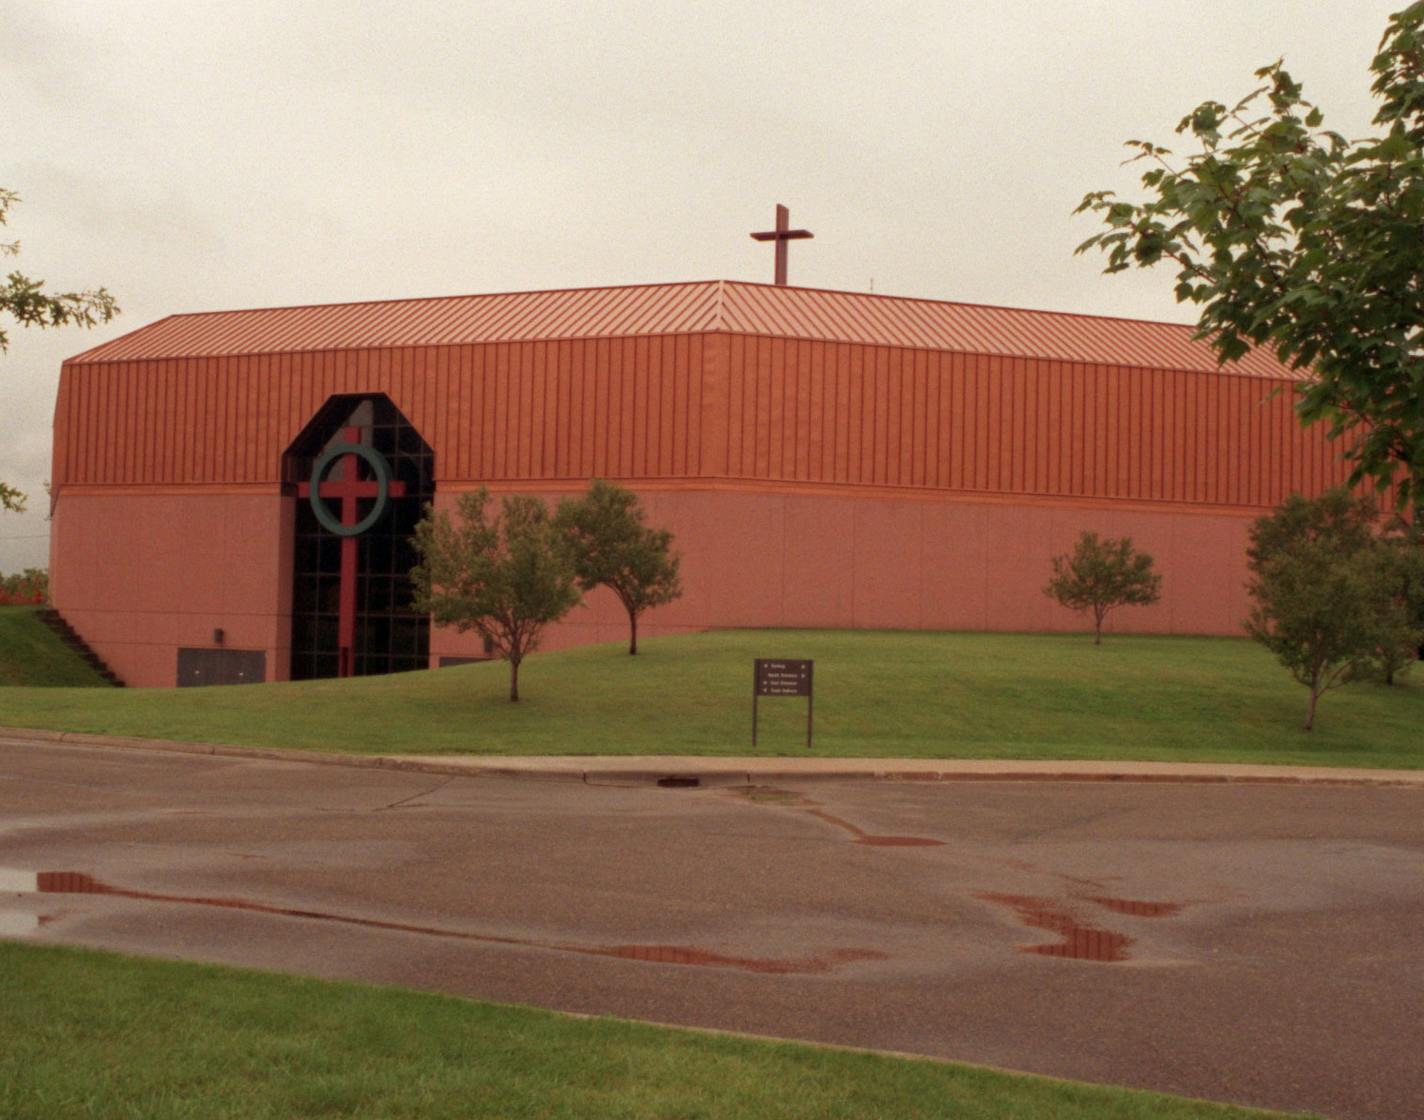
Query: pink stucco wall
139, 575
813, 560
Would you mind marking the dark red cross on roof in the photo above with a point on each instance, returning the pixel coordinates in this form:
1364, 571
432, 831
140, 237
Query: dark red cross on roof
781, 235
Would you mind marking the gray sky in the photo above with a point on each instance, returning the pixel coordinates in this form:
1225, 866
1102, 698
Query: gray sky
199, 155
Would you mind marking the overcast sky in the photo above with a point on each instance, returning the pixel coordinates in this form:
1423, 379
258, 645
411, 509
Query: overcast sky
194, 156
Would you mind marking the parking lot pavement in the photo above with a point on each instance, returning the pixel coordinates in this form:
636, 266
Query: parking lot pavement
1257, 944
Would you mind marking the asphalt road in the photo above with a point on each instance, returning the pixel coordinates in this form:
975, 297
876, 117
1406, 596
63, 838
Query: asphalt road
1256, 944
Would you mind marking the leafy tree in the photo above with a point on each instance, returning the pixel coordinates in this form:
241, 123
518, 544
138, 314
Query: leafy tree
1290, 236
505, 577
611, 546
26, 301
1100, 575
1404, 552
1326, 591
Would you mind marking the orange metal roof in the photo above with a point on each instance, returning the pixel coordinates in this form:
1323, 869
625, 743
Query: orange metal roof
687, 308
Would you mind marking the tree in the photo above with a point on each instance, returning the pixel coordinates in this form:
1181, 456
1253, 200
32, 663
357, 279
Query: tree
1325, 590
1288, 235
611, 546
1404, 553
505, 577
26, 301
1100, 575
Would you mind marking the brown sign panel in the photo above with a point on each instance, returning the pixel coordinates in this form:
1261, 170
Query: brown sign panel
783, 677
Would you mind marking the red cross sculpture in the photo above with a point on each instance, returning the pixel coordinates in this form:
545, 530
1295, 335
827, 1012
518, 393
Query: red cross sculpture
781, 235
350, 488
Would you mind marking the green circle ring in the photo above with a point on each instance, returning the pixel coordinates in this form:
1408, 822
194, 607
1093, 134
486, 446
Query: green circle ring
379, 467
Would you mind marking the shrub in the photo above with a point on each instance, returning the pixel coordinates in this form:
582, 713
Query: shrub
1405, 544
1101, 575
1327, 592
29, 586
504, 576
611, 546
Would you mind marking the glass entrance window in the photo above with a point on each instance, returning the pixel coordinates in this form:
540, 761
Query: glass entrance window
390, 636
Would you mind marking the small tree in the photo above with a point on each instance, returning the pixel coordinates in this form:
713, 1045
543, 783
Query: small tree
1102, 574
505, 577
1326, 591
610, 545
1403, 552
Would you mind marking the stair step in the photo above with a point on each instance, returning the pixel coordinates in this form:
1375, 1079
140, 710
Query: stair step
69, 637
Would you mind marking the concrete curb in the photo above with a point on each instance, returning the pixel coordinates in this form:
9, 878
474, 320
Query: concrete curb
704, 772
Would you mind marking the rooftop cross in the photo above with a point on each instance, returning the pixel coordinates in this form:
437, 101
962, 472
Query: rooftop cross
781, 235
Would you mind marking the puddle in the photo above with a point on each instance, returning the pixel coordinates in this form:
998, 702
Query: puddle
1139, 908
1080, 942
78, 882
858, 835
899, 842
678, 954
69, 882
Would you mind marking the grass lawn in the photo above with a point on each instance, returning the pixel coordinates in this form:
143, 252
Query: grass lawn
31, 655
878, 693
91, 1034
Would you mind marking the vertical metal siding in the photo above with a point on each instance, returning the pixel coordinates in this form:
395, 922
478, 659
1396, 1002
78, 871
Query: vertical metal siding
775, 409
846, 413
506, 411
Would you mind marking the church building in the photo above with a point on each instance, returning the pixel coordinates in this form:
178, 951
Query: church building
234, 492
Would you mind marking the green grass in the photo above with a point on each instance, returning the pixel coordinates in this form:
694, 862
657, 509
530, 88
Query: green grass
878, 694
90, 1034
32, 656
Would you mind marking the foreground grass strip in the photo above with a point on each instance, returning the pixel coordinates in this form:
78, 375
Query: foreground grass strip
32, 655
90, 1034
878, 694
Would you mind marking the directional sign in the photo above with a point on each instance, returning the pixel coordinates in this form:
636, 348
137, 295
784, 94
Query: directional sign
782, 677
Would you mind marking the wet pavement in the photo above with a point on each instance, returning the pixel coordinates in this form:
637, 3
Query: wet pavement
1257, 944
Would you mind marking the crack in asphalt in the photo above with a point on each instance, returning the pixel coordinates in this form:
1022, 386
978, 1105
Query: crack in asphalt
436, 788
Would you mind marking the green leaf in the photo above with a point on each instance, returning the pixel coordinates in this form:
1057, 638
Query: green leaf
1308, 242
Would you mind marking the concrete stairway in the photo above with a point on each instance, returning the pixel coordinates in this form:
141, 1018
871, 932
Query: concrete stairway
55, 621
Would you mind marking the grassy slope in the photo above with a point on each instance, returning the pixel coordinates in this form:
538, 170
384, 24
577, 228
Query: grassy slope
884, 694
95, 1034
31, 655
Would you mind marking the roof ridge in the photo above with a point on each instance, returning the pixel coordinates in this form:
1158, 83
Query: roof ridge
959, 303
430, 299
720, 286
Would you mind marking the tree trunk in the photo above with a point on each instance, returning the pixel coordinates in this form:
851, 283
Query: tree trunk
1097, 628
513, 680
632, 632
1310, 710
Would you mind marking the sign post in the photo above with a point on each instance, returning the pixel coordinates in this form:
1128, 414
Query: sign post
782, 677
